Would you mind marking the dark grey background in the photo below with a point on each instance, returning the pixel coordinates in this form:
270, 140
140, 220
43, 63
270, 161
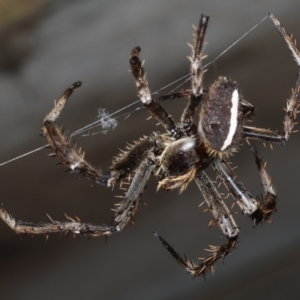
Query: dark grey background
64, 41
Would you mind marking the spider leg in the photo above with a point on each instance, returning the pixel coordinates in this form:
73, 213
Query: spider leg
292, 104
197, 92
288, 39
267, 205
197, 73
70, 156
74, 158
247, 109
129, 160
150, 103
222, 217
182, 94
258, 209
124, 212
264, 135
137, 158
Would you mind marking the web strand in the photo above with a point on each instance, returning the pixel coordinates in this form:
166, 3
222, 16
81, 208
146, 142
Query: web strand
99, 122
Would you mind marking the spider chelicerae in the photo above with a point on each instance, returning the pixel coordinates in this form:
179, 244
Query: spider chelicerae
178, 156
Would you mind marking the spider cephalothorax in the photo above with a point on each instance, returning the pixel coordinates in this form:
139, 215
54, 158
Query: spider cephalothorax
178, 156
219, 133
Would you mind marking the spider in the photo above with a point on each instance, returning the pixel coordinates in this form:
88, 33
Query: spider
179, 156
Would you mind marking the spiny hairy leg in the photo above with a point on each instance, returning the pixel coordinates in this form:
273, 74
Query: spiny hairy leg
208, 263
73, 158
197, 91
124, 212
222, 217
243, 198
288, 39
60, 144
267, 203
259, 210
197, 57
293, 102
197, 73
153, 106
136, 158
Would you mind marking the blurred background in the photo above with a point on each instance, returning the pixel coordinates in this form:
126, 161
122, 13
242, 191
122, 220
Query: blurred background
45, 47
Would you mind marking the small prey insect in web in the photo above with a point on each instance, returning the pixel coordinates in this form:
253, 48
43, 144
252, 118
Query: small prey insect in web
180, 155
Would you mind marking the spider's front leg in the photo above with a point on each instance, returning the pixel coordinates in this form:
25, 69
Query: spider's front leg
292, 104
70, 156
153, 106
138, 158
222, 217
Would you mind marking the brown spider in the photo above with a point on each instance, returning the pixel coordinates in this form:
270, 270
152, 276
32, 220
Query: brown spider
178, 156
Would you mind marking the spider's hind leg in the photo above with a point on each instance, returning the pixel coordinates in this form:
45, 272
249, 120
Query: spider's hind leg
267, 204
259, 210
222, 217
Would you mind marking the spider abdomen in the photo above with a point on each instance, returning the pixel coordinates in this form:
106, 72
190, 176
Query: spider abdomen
220, 122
